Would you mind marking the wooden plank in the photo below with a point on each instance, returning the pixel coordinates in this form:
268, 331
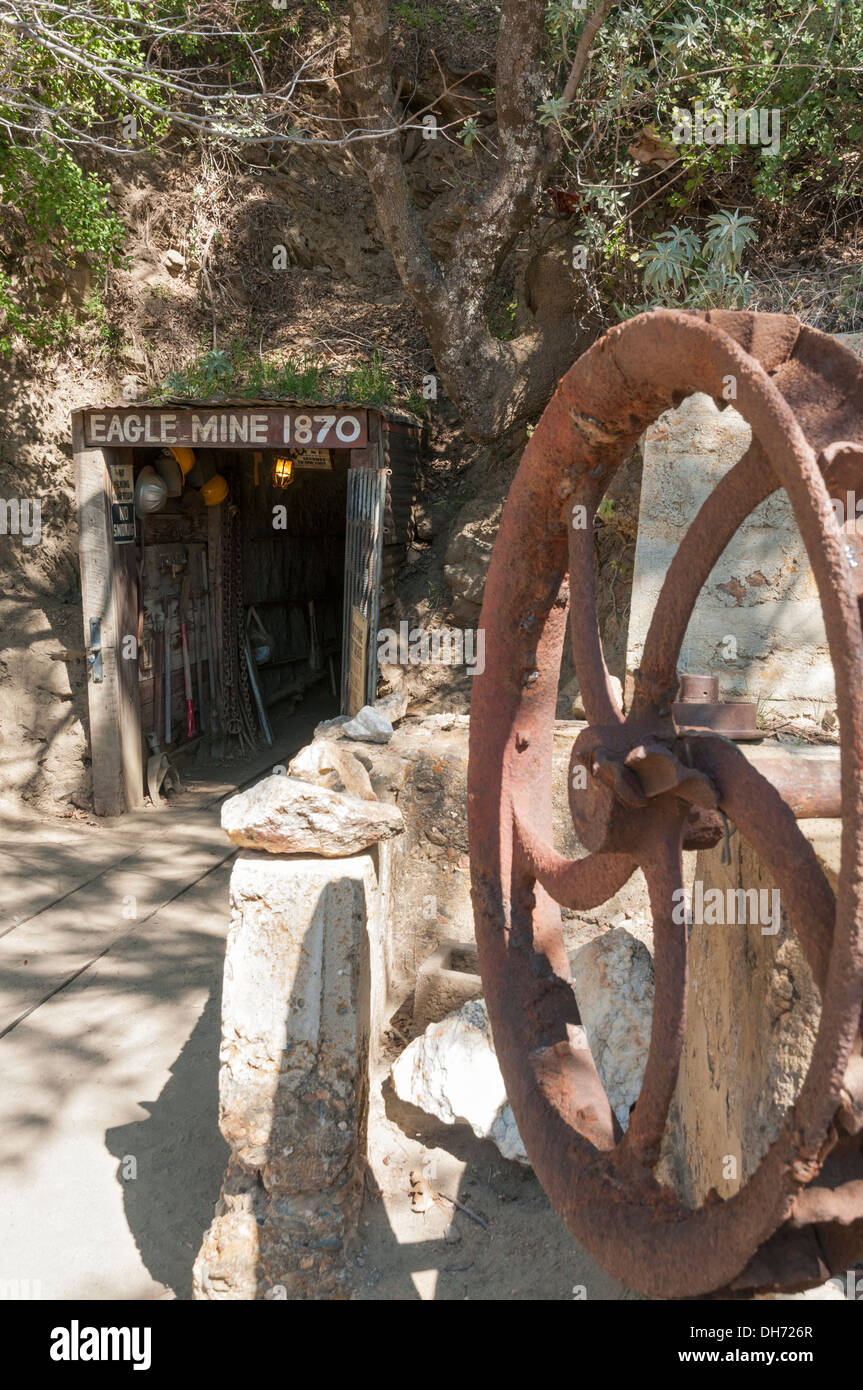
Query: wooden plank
125, 585
321, 427
359, 642
95, 547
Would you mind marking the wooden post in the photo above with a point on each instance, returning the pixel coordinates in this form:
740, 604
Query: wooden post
108, 589
128, 656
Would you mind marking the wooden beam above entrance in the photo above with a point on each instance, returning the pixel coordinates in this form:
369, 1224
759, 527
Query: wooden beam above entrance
234, 427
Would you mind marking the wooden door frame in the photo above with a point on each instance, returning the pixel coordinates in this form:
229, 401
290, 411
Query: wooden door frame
109, 595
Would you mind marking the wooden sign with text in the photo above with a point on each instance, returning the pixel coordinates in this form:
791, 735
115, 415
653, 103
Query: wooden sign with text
227, 429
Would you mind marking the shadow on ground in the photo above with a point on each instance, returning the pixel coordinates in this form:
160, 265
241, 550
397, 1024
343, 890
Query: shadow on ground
179, 1159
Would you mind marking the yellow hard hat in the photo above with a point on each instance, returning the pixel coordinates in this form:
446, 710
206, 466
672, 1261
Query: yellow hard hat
215, 491
185, 457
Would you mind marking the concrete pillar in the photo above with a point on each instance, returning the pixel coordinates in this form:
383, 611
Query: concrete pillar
304, 981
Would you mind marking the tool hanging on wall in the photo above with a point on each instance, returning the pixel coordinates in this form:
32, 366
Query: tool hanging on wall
157, 622
197, 611
256, 690
316, 660
187, 667
239, 713
259, 638
217, 747
155, 766
168, 672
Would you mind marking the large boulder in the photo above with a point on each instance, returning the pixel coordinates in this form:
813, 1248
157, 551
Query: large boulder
393, 706
370, 725
451, 1070
287, 816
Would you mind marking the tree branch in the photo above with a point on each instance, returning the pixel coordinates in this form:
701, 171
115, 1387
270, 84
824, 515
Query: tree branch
496, 220
370, 86
589, 32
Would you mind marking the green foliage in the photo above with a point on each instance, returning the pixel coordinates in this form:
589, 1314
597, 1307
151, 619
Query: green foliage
468, 132
236, 372
56, 216
81, 93
649, 62
419, 17
55, 213
701, 272
64, 205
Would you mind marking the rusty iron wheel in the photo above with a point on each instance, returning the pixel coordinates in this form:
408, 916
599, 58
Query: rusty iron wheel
643, 792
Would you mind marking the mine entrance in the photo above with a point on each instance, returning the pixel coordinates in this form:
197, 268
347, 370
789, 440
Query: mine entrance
235, 563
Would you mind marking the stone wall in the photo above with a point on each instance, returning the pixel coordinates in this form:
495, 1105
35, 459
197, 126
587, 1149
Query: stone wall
761, 594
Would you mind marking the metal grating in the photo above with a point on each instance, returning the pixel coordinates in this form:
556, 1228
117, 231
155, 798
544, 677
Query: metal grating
367, 490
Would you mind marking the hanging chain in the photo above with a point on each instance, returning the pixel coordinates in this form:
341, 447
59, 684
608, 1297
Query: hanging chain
239, 713
244, 689
231, 711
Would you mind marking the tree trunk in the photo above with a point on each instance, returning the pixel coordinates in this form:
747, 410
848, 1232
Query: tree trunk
495, 384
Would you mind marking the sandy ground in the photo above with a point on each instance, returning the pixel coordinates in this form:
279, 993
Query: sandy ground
504, 1242
110, 1153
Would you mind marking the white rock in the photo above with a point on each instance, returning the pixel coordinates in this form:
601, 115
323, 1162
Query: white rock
451, 1072
369, 726
393, 706
830, 1292
331, 728
446, 721
613, 977
330, 764
287, 816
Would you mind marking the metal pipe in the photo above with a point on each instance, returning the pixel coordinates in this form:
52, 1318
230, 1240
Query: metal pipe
807, 779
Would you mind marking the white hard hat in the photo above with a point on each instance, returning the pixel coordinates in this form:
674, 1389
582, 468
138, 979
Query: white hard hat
151, 492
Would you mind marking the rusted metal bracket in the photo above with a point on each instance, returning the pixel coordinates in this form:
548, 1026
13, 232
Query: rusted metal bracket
640, 792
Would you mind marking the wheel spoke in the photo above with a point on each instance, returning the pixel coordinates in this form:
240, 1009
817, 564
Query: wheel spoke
768, 825
742, 489
576, 883
663, 869
594, 682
